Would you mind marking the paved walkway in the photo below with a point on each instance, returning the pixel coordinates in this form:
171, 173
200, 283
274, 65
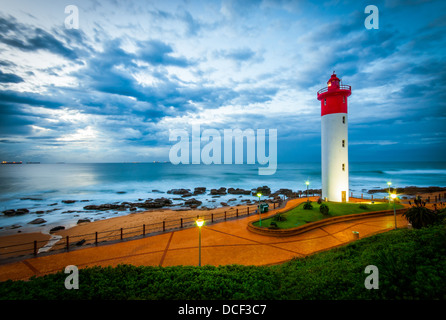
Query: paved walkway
222, 243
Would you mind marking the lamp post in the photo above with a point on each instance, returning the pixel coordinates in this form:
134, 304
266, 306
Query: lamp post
199, 223
307, 183
389, 184
393, 196
260, 216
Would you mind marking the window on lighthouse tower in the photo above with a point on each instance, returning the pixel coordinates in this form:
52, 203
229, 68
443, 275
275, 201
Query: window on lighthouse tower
325, 102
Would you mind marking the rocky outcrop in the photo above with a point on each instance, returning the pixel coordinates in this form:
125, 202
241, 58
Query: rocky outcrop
57, 229
106, 206
192, 202
221, 191
9, 213
285, 192
238, 191
37, 221
265, 191
199, 190
411, 190
12, 212
178, 191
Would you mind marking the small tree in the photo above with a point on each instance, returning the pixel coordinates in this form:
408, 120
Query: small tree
419, 216
324, 209
279, 217
308, 205
273, 225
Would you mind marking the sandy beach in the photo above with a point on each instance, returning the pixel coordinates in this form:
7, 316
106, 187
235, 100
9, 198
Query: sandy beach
110, 227
147, 217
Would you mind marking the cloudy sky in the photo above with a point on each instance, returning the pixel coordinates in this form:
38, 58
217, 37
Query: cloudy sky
110, 90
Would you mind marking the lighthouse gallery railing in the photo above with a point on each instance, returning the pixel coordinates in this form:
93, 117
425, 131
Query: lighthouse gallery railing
342, 87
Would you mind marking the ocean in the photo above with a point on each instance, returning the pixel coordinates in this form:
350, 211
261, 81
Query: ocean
43, 187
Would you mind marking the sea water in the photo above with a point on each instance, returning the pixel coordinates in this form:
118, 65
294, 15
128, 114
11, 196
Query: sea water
42, 187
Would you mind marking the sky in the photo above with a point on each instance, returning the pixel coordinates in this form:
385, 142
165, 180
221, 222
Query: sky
110, 90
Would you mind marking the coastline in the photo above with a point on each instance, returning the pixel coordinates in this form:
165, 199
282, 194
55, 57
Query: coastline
148, 217
174, 203
131, 220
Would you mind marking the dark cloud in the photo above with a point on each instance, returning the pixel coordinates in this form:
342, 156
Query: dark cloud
9, 78
33, 99
28, 38
157, 53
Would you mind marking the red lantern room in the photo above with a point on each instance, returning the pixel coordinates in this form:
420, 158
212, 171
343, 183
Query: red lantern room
334, 97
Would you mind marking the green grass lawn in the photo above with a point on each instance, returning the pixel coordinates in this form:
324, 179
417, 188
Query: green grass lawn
298, 216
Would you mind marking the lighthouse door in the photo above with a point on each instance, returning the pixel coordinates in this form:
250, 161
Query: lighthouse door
344, 196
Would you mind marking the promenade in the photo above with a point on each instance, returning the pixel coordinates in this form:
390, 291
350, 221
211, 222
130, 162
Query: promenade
223, 243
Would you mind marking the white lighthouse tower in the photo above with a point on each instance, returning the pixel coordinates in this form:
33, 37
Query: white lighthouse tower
334, 140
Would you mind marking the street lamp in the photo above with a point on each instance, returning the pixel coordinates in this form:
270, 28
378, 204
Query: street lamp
389, 184
260, 216
199, 223
307, 183
393, 196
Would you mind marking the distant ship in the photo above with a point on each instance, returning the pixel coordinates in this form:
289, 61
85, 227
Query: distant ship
11, 162
33, 162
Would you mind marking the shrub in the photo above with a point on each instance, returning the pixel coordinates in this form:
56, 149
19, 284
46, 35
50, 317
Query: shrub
273, 225
419, 216
279, 217
319, 201
324, 209
308, 205
363, 206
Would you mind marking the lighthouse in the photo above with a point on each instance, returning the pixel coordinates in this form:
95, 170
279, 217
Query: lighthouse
334, 139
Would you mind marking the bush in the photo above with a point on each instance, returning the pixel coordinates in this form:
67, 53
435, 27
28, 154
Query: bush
273, 225
324, 209
419, 216
363, 206
279, 217
308, 205
319, 201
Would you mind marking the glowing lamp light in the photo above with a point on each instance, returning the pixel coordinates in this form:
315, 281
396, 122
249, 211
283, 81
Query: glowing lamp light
199, 222
259, 194
393, 196
389, 183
